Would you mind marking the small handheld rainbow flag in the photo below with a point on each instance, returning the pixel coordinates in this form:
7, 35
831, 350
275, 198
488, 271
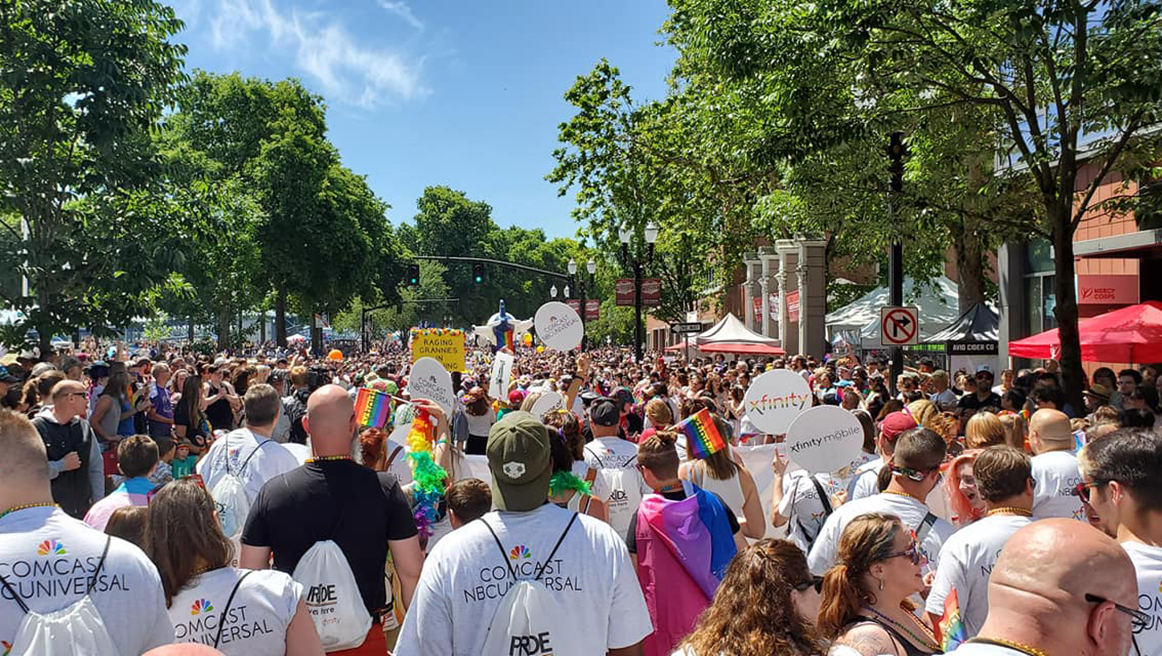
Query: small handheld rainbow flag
951, 628
372, 407
702, 437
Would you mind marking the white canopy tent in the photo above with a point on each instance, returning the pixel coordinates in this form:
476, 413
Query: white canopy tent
729, 335
937, 303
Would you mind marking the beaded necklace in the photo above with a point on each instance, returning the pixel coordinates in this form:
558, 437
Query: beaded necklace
1011, 644
326, 458
26, 506
1010, 510
904, 494
927, 642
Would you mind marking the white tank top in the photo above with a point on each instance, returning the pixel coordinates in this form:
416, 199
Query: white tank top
730, 490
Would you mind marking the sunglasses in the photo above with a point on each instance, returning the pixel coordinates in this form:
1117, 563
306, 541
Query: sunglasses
1138, 619
815, 582
1083, 489
913, 552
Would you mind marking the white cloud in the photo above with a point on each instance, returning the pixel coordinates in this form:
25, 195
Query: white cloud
400, 8
323, 49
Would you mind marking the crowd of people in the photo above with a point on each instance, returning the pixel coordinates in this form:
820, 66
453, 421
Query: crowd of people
156, 500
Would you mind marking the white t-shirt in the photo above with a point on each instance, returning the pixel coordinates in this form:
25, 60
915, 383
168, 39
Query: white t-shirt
465, 577
621, 484
256, 621
865, 482
802, 507
966, 562
238, 445
1148, 566
1056, 475
910, 512
48, 558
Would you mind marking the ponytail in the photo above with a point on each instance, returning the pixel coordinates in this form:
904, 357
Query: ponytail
885, 475
840, 603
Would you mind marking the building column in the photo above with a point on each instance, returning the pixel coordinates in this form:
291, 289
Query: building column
751, 262
765, 286
812, 296
788, 261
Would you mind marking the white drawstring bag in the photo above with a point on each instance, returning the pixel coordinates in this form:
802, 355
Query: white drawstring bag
76, 629
332, 597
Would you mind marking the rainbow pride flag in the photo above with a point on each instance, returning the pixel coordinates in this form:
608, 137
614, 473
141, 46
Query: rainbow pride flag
951, 628
372, 407
510, 340
702, 437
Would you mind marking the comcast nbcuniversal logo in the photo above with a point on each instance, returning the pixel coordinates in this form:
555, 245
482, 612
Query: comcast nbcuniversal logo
200, 607
519, 552
51, 548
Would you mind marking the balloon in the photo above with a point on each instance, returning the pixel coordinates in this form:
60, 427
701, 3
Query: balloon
527, 339
335, 355
540, 348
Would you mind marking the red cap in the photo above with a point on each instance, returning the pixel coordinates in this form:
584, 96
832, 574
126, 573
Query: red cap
516, 396
895, 424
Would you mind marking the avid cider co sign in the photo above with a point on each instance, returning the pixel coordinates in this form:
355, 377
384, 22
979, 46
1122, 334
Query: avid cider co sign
1107, 290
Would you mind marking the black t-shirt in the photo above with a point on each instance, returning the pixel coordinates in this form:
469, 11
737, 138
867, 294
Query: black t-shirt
333, 500
219, 413
973, 402
678, 495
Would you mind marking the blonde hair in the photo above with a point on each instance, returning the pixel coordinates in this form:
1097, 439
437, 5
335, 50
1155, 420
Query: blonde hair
983, 430
1015, 430
659, 413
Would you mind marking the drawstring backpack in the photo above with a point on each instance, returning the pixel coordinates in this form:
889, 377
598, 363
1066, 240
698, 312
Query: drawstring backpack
75, 629
332, 595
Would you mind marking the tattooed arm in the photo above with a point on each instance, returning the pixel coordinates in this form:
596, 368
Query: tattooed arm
864, 639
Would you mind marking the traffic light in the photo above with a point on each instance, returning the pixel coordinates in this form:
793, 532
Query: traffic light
477, 273
413, 275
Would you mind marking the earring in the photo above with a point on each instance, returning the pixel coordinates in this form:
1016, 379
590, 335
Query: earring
881, 584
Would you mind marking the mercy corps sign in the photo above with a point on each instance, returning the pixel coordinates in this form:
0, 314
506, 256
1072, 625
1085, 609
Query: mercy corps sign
1107, 290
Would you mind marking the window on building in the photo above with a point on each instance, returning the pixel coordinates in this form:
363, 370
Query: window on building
1149, 214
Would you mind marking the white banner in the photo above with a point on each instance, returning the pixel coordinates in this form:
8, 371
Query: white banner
501, 374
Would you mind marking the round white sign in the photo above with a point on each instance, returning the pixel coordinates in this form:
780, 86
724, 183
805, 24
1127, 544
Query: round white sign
430, 380
824, 439
559, 326
548, 402
774, 399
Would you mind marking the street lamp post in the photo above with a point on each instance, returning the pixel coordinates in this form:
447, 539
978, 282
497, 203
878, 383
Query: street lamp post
636, 260
591, 267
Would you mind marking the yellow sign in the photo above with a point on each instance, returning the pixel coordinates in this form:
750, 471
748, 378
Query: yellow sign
444, 344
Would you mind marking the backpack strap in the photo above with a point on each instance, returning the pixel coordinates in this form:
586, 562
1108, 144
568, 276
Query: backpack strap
822, 497
100, 564
595, 457
925, 528
391, 458
545, 562
15, 597
247, 461
503, 554
229, 601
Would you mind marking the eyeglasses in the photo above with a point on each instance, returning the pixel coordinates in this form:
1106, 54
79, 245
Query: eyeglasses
815, 582
1082, 489
1138, 619
913, 553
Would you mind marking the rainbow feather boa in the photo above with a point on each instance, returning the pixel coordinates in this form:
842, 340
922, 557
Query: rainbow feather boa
429, 477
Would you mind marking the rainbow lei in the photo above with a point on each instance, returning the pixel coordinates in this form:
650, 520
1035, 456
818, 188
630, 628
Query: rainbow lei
429, 477
564, 481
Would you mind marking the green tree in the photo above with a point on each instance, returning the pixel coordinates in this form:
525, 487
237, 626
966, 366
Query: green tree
82, 85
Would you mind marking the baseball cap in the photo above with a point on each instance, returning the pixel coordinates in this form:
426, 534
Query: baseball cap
516, 397
984, 369
895, 424
6, 377
521, 462
605, 412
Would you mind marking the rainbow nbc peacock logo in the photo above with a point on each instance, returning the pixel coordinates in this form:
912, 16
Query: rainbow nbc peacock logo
51, 547
201, 607
519, 552
7, 647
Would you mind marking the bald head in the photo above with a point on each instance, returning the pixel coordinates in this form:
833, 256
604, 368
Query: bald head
1050, 427
330, 420
1038, 587
24, 461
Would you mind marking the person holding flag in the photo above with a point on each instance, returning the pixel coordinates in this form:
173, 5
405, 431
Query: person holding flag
682, 537
958, 602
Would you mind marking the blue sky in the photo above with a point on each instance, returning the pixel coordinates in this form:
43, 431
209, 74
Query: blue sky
426, 92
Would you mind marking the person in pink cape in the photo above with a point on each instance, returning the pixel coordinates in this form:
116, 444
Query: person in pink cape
682, 538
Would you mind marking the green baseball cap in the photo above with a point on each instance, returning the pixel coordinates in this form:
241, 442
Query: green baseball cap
521, 462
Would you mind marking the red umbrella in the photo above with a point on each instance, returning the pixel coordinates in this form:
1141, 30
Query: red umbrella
1130, 334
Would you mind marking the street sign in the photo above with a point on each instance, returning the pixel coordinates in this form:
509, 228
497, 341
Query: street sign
686, 328
900, 326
